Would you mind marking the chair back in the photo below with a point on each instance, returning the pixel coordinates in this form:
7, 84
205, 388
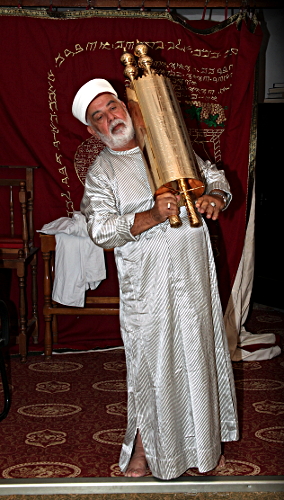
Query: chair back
20, 235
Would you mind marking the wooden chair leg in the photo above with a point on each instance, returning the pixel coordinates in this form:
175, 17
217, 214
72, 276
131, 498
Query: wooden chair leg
34, 300
6, 390
54, 305
54, 327
48, 318
22, 319
48, 337
4, 340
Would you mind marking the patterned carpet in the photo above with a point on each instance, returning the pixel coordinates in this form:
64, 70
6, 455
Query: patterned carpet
68, 415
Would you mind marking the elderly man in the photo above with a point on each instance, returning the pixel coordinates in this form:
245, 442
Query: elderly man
181, 398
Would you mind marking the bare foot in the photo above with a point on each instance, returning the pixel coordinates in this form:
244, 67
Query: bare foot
222, 463
137, 466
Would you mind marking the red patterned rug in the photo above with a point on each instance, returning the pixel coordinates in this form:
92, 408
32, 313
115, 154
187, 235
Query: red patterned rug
68, 416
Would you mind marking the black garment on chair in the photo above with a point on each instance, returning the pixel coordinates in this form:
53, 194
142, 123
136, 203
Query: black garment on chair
4, 339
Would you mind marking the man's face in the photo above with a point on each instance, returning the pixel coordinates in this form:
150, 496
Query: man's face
110, 121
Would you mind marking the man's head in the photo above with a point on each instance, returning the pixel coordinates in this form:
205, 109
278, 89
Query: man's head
97, 106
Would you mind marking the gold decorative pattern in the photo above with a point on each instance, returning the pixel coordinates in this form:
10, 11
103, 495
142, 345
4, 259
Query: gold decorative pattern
253, 132
270, 407
110, 385
259, 384
62, 366
110, 436
117, 409
115, 471
79, 14
247, 366
115, 366
49, 410
53, 386
85, 155
43, 470
46, 438
208, 135
232, 468
271, 434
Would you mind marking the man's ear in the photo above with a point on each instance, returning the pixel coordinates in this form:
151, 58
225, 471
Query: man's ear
92, 131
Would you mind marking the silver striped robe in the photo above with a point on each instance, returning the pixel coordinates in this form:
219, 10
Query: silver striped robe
181, 392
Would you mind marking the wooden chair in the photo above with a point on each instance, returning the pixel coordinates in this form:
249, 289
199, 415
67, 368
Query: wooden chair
51, 309
4, 339
17, 250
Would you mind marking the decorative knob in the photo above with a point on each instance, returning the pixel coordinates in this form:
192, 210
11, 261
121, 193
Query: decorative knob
144, 60
128, 60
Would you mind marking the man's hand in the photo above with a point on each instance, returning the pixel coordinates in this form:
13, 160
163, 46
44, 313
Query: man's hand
210, 205
165, 206
157, 214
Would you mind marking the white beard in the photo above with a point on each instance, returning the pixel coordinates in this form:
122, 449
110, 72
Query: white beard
121, 137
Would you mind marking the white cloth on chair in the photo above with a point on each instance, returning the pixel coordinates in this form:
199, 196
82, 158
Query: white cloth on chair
79, 263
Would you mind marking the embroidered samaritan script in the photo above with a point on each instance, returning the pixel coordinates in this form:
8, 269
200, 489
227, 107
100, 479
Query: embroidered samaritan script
212, 72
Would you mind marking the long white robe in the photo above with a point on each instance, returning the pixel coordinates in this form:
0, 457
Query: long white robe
180, 384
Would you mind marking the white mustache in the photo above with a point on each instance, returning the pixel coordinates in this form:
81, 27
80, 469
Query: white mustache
116, 122
121, 137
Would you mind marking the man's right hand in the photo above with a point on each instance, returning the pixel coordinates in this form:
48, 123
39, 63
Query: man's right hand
166, 204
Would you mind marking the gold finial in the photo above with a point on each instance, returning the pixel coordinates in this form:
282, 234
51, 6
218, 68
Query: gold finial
144, 60
128, 60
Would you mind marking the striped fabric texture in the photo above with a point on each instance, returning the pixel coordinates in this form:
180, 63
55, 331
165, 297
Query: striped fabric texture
181, 392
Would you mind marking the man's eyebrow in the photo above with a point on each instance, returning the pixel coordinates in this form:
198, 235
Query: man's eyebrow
99, 110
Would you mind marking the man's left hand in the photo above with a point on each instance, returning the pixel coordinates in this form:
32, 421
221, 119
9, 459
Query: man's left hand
210, 205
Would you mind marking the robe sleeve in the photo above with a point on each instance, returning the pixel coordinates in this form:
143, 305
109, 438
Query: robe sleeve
214, 178
106, 227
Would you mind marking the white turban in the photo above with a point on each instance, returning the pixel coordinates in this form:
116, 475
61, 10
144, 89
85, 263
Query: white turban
87, 94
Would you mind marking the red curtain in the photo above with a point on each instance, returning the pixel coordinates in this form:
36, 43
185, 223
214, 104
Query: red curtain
45, 59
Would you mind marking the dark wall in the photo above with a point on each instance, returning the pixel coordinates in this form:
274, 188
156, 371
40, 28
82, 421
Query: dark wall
269, 243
